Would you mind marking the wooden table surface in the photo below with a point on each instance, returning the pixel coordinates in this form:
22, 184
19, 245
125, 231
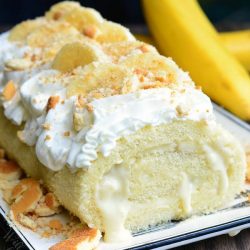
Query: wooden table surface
224, 242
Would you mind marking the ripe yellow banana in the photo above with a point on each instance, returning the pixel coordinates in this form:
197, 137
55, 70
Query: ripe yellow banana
181, 30
145, 38
238, 43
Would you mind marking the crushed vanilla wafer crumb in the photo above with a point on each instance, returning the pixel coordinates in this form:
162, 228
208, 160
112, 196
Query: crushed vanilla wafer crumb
52, 102
90, 31
55, 224
66, 133
46, 126
31, 205
9, 91
90, 107
144, 48
90, 237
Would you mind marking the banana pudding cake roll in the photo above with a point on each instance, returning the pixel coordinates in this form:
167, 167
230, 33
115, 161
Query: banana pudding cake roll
120, 134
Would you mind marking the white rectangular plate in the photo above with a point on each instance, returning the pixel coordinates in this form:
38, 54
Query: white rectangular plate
230, 219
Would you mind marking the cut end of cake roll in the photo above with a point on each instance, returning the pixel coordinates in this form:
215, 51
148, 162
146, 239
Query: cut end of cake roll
159, 174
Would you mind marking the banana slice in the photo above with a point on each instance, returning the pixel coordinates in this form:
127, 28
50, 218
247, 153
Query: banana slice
110, 32
52, 32
59, 10
22, 30
81, 18
121, 49
96, 76
151, 62
17, 64
77, 54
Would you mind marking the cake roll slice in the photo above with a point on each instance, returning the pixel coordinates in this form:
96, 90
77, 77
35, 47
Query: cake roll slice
120, 134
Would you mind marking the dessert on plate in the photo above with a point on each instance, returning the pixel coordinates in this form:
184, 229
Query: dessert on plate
120, 134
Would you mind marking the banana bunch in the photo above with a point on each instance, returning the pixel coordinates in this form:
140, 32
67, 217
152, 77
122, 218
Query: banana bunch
182, 31
238, 43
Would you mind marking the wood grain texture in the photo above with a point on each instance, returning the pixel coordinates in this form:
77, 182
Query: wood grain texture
224, 242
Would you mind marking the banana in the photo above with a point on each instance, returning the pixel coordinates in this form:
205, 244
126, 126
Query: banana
110, 32
147, 63
18, 64
81, 18
22, 30
98, 75
183, 32
238, 43
77, 54
61, 9
119, 50
50, 33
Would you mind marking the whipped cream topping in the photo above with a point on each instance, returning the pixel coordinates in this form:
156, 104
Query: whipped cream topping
59, 144
121, 115
54, 133
14, 109
9, 50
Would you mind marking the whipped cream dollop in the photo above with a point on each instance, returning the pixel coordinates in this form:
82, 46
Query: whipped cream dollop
13, 109
9, 50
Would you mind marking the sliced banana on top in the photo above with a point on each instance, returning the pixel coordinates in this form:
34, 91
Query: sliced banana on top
103, 76
77, 54
17, 64
120, 50
81, 18
152, 63
52, 32
58, 10
110, 32
20, 32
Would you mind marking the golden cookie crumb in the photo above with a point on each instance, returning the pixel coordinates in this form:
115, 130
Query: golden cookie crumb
141, 72
52, 102
66, 134
55, 224
144, 48
46, 126
90, 237
9, 170
57, 16
27, 193
90, 107
47, 138
9, 90
90, 31
81, 102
